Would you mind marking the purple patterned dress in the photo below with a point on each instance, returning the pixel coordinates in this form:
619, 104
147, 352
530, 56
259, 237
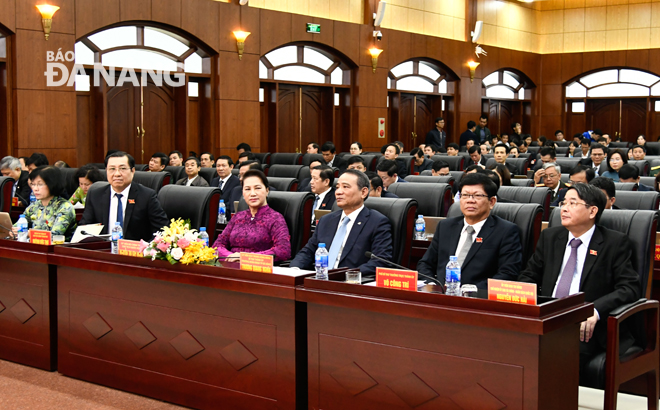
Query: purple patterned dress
266, 234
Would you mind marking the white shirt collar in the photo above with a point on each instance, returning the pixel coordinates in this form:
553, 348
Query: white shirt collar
353, 214
124, 192
585, 238
477, 227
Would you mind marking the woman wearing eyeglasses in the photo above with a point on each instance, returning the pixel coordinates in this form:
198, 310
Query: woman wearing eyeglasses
50, 212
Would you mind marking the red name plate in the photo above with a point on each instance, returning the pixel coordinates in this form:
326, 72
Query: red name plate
657, 252
257, 263
14, 201
396, 279
513, 292
129, 248
40, 237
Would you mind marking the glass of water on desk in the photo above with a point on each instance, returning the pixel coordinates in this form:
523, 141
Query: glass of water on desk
354, 276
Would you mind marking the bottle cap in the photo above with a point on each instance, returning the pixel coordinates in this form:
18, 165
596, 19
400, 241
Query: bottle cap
453, 258
322, 245
117, 223
420, 216
222, 201
21, 216
202, 229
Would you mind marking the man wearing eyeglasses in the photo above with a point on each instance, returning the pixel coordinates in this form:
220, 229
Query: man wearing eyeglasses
581, 256
134, 206
487, 246
597, 159
551, 174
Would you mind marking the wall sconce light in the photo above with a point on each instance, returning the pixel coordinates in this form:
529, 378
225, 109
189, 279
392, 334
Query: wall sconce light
240, 41
375, 52
47, 12
473, 66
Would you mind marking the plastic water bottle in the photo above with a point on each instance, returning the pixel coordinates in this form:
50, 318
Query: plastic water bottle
420, 228
203, 235
117, 234
321, 262
453, 277
22, 228
32, 197
222, 212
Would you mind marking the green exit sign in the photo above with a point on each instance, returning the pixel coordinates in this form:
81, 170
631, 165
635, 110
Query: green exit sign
313, 28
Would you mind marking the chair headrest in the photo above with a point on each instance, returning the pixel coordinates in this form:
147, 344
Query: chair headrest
432, 199
646, 200
192, 203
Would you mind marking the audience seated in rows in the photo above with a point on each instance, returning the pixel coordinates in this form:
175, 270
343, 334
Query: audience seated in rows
158, 162
176, 159
579, 174
328, 151
420, 163
388, 170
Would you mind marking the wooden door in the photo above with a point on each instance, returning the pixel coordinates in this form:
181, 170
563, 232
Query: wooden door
604, 115
407, 119
424, 119
159, 119
501, 115
633, 119
288, 118
123, 119
4, 116
305, 114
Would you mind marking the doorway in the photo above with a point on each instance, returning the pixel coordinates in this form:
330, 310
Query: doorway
413, 115
625, 118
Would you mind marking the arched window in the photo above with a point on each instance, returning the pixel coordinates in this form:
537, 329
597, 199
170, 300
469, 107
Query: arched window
139, 47
505, 84
615, 83
305, 64
418, 76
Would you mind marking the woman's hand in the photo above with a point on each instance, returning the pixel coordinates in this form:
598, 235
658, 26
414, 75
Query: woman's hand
14, 232
234, 257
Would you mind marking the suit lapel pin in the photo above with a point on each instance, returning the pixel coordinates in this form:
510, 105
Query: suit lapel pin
131, 201
593, 252
322, 205
359, 223
479, 240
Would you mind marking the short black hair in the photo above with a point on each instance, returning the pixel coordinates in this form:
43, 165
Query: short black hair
597, 131
639, 146
628, 171
482, 179
439, 164
588, 171
314, 145
542, 139
326, 172
197, 161
399, 144
175, 152
598, 146
513, 124
504, 172
454, 146
548, 151
253, 164
164, 159
355, 159
243, 146
37, 159
438, 119
624, 158
362, 180
52, 177
592, 195
471, 124
90, 172
247, 154
388, 166
585, 141
111, 151
483, 117
396, 148
255, 173
558, 132
230, 162
120, 154
376, 182
492, 175
415, 151
357, 143
506, 147
328, 146
474, 149
433, 147
606, 184
211, 157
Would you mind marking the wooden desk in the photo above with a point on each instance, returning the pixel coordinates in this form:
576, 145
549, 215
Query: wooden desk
200, 336
372, 348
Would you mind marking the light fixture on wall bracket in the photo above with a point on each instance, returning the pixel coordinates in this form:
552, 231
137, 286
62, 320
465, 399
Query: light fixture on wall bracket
375, 52
240, 41
473, 66
47, 12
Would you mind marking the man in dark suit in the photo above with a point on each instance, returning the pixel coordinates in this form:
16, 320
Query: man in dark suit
192, 178
551, 174
328, 151
322, 184
305, 184
475, 157
579, 174
487, 246
134, 206
630, 173
581, 256
11, 167
482, 130
547, 156
597, 159
377, 189
469, 134
388, 170
420, 163
437, 136
225, 180
351, 232
500, 153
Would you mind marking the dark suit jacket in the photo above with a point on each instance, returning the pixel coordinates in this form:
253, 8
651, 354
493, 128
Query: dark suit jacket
469, 135
387, 194
144, 216
498, 256
371, 232
608, 278
587, 162
468, 161
23, 188
486, 133
644, 188
304, 185
426, 165
562, 186
198, 181
560, 196
328, 201
512, 168
339, 163
434, 138
232, 183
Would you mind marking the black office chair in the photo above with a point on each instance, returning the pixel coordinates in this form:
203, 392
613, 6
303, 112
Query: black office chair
643, 166
432, 199
176, 172
562, 144
369, 159
408, 160
300, 172
141, 167
561, 151
534, 149
283, 184
6, 188
652, 148
235, 171
516, 162
208, 174
285, 158
153, 180
457, 175
455, 163
200, 205
609, 370
402, 213
296, 207
429, 173
263, 157
625, 186
567, 164
99, 165
648, 181
522, 182
308, 158
615, 145
638, 200
528, 217
70, 183
430, 179
525, 195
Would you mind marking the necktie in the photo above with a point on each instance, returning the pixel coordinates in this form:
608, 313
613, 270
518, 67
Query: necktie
120, 210
466, 246
564, 285
316, 202
221, 184
337, 243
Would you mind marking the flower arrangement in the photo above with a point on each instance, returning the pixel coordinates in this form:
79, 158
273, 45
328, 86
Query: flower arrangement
178, 243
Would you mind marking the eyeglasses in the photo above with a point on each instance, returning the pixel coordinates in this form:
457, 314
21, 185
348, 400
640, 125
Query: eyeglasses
551, 175
123, 170
573, 204
37, 185
472, 196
